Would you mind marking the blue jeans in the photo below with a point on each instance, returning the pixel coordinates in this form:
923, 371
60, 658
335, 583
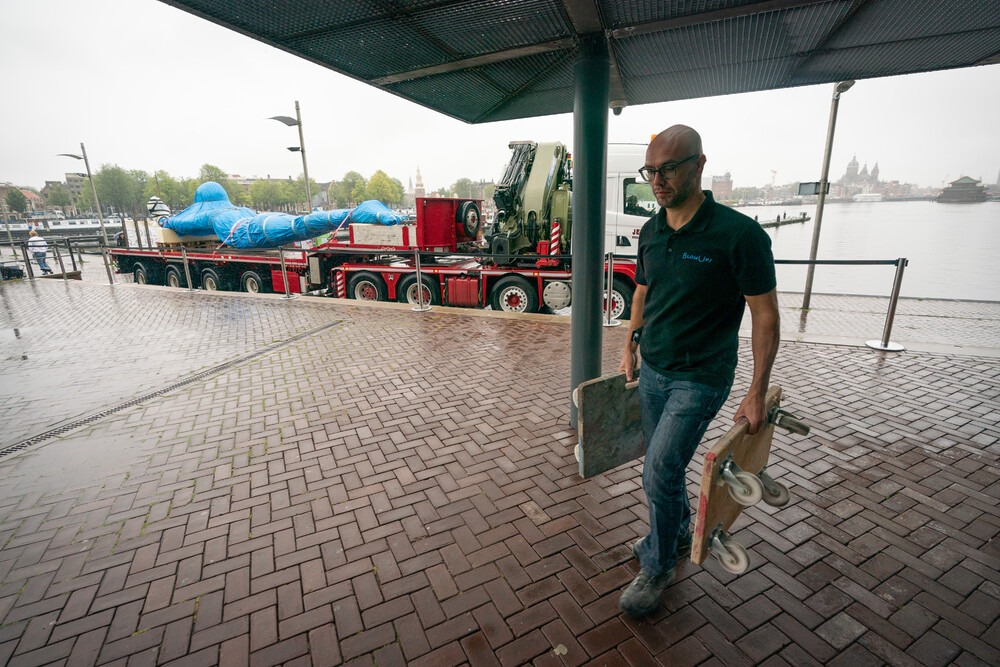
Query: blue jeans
675, 416
42, 264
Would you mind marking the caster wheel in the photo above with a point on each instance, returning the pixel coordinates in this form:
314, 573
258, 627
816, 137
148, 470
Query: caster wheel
779, 497
749, 492
735, 560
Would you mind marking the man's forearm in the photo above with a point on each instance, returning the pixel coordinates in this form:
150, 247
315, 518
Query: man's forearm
765, 338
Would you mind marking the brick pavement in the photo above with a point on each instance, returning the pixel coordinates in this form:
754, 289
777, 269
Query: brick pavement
388, 492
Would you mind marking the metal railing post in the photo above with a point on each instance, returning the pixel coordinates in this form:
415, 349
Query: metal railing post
284, 275
69, 249
884, 344
609, 300
62, 267
107, 265
27, 264
420, 307
187, 270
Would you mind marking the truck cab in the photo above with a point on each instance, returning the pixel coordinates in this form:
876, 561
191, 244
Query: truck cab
630, 201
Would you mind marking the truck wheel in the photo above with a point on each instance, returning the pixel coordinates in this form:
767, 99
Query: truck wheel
621, 300
252, 282
141, 275
175, 277
468, 216
514, 294
211, 281
367, 286
406, 290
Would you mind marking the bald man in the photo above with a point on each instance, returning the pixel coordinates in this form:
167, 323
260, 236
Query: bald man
699, 263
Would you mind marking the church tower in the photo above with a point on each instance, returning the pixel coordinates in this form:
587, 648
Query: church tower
418, 190
874, 177
852, 170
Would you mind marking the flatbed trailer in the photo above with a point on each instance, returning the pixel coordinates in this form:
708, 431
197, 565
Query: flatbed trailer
531, 284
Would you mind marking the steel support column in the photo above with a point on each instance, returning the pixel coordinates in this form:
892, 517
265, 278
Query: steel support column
590, 157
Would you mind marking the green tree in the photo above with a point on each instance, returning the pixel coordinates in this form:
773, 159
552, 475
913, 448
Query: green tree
59, 196
85, 201
16, 201
463, 187
267, 195
488, 190
344, 196
114, 188
398, 191
190, 187
299, 191
444, 192
138, 204
359, 193
167, 188
380, 187
235, 192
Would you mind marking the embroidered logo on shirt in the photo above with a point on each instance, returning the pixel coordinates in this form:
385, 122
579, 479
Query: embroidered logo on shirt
697, 258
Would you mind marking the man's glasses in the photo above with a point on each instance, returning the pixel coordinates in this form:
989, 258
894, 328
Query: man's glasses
666, 171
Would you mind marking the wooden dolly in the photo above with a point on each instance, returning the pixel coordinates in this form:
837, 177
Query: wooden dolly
734, 476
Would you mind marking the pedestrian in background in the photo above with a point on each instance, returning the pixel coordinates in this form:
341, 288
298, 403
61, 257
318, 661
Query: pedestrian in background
38, 248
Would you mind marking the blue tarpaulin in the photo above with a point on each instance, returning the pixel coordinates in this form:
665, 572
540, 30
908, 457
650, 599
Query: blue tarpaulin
240, 227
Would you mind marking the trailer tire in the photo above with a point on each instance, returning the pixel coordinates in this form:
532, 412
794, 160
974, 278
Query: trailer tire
406, 290
141, 274
514, 294
213, 281
252, 282
175, 277
367, 286
470, 219
621, 300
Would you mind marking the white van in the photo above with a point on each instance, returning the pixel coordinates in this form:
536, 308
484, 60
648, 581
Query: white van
630, 201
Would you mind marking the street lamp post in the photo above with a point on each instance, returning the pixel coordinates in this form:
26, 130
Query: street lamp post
301, 148
93, 189
6, 223
838, 89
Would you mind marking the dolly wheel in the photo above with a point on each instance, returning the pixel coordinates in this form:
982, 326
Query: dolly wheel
733, 557
748, 490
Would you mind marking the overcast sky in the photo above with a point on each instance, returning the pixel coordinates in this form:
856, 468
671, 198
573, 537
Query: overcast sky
147, 86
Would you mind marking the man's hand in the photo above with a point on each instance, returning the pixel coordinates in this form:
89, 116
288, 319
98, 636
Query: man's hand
752, 411
628, 362
765, 336
629, 356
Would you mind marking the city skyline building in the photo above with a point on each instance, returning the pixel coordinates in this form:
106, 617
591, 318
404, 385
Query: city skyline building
722, 187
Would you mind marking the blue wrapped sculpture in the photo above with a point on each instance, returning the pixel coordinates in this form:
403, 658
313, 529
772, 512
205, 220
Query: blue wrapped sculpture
240, 227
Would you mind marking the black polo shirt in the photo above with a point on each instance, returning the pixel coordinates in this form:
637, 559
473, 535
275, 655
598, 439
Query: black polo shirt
696, 278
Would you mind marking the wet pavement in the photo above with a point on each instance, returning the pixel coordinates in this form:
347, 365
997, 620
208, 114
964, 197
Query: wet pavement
218, 478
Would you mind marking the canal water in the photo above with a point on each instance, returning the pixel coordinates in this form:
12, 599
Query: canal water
953, 249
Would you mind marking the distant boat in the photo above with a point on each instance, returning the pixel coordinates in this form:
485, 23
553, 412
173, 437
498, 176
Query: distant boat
20, 230
963, 191
779, 221
868, 196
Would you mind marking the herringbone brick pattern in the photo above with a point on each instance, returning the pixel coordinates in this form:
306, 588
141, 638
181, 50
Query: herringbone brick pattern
400, 489
81, 348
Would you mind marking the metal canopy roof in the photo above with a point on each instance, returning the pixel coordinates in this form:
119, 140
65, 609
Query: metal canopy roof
489, 60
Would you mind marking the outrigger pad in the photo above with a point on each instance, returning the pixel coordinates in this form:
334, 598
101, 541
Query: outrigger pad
609, 425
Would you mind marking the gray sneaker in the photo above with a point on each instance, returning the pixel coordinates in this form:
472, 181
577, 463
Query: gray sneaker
682, 552
643, 594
